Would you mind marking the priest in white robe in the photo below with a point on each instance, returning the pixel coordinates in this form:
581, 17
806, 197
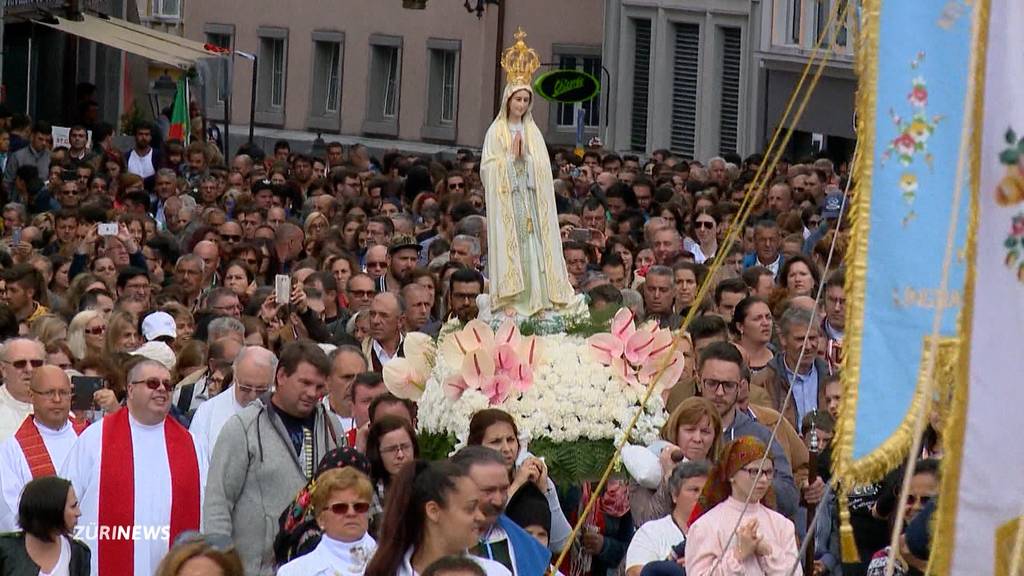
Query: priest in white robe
253, 370
138, 475
42, 442
18, 359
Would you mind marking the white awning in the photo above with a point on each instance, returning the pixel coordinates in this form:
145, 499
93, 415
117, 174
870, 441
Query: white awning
135, 39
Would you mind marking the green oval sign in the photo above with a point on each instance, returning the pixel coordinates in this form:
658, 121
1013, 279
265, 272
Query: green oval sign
567, 86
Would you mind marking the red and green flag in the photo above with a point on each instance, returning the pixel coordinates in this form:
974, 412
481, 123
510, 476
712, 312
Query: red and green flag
179, 115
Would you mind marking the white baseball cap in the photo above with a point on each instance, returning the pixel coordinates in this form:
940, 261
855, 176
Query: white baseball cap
159, 324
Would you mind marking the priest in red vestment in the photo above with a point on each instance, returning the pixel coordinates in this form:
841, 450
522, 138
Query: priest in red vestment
43, 440
138, 477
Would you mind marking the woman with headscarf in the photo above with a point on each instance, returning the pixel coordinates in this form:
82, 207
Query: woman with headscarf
738, 496
524, 260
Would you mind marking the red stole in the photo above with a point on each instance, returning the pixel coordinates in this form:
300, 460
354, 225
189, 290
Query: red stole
117, 489
31, 441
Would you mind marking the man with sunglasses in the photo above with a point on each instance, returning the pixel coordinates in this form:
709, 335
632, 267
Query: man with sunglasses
721, 374
42, 442
18, 360
138, 477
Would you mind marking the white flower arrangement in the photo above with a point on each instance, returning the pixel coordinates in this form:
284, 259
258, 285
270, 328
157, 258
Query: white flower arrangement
567, 394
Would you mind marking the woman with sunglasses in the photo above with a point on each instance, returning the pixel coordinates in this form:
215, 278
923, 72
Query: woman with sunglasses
924, 486
86, 334
341, 503
705, 230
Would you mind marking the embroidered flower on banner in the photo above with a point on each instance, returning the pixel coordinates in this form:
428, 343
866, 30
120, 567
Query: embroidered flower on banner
910, 142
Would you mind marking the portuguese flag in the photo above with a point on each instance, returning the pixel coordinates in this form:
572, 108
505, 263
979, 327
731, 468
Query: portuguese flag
179, 115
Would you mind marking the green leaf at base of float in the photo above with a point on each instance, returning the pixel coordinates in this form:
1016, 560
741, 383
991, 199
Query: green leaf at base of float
569, 463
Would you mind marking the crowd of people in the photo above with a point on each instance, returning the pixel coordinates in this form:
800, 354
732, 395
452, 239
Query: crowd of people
193, 344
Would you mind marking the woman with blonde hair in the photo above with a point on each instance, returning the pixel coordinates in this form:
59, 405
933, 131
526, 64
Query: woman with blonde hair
341, 502
49, 328
692, 432
315, 226
122, 333
85, 334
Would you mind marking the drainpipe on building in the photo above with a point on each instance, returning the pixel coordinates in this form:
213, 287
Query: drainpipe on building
499, 45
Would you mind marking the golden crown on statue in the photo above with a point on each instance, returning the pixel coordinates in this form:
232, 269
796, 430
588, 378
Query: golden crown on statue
519, 61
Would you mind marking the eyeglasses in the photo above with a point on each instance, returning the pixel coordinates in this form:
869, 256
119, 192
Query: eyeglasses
252, 391
236, 307
56, 394
231, 238
376, 264
341, 508
703, 224
96, 330
362, 293
156, 384
405, 448
24, 363
913, 499
456, 186
726, 385
765, 472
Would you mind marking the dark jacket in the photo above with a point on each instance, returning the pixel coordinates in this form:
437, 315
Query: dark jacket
774, 381
15, 561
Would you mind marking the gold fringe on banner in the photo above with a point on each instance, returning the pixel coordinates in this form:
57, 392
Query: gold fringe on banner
856, 259
847, 544
944, 534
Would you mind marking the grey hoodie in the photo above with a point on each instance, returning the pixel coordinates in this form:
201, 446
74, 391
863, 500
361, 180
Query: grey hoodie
254, 475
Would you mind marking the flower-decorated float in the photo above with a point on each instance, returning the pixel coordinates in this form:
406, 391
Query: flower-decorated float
572, 382
572, 395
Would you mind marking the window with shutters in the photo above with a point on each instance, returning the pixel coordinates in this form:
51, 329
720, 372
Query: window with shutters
685, 77
641, 84
796, 8
729, 109
385, 85
272, 76
325, 82
443, 57
566, 113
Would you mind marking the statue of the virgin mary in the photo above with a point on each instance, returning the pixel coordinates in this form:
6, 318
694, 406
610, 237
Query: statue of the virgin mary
524, 262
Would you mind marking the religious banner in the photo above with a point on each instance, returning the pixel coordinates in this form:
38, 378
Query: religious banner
980, 527
914, 59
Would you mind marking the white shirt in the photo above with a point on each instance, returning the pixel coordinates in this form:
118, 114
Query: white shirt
12, 413
333, 558
14, 470
653, 542
63, 565
383, 356
141, 166
491, 568
210, 418
152, 490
